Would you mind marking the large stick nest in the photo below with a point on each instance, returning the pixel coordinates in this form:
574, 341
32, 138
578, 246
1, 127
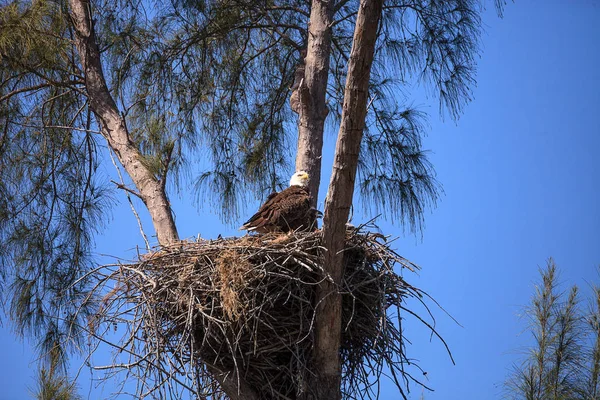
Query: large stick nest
243, 309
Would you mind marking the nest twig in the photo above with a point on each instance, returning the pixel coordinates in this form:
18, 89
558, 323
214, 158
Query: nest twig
244, 308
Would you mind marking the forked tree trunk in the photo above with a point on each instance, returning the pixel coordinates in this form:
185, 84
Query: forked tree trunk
311, 106
113, 126
312, 113
339, 199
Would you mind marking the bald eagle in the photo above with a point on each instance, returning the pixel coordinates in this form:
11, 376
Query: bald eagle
286, 211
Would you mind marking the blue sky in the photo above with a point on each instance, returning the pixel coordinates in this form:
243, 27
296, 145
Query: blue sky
520, 172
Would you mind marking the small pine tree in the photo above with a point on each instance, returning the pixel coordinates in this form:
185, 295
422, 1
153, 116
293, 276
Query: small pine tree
52, 384
563, 362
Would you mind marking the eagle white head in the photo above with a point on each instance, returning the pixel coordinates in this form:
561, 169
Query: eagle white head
300, 178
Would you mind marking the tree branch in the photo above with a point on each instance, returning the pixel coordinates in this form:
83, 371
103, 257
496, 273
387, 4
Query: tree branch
312, 108
236, 390
25, 89
113, 125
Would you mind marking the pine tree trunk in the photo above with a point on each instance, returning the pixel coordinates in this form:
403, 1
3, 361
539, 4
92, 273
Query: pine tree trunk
114, 129
312, 108
229, 384
339, 199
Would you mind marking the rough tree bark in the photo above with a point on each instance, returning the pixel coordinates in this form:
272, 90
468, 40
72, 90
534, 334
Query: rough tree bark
309, 101
235, 390
339, 199
150, 189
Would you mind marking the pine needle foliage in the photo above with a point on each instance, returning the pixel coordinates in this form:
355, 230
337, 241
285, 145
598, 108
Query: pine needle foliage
592, 322
563, 361
218, 75
423, 44
54, 386
209, 81
51, 202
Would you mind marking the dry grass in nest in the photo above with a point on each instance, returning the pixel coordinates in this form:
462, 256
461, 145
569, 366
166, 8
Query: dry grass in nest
245, 307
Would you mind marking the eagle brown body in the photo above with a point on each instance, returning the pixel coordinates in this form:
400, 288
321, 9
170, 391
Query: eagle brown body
286, 211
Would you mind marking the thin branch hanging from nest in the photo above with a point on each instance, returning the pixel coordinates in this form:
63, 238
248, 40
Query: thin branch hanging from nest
245, 306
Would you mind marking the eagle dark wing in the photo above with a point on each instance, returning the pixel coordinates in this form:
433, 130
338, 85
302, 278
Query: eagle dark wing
261, 218
293, 209
282, 212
